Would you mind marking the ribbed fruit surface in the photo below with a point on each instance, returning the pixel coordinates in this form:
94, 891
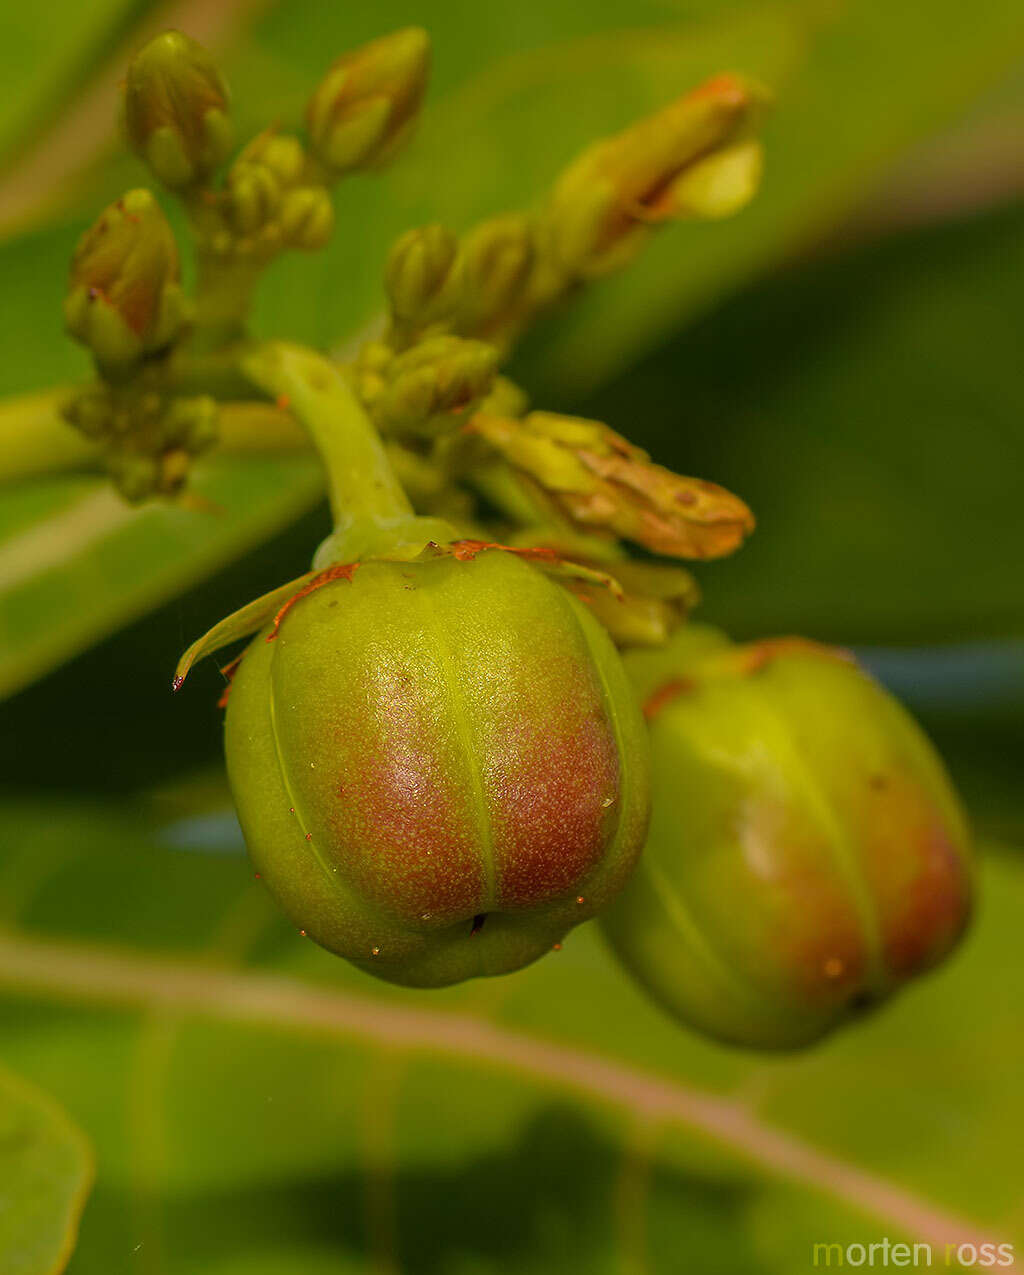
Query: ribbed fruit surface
807, 853
439, 766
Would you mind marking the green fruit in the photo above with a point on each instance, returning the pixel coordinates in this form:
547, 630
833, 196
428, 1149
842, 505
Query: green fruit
439, 765
807, 854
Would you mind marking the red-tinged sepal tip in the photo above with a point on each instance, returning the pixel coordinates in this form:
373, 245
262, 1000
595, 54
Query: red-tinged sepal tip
806, 829
328, 576
240, 624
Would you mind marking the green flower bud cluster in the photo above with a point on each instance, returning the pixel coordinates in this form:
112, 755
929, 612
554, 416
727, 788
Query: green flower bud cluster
505, 398
274, 195
148, 441
176, 111
473, 287
270, 201
694, 158
124, 297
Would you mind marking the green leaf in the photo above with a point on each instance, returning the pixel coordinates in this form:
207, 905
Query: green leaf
258, 1105
869, 410
76, 561
46, 1170
45, 52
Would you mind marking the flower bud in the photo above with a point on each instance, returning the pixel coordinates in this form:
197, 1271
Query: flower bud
190, 424
497, 257
124, 295
365, 106
91, 412
505, 398
441, 375
654, 601
307, 218
252, 196
438, 764
421, 277
176, 110
602, 205
277, 153
599, 480
721, 184
135, 475
807, 853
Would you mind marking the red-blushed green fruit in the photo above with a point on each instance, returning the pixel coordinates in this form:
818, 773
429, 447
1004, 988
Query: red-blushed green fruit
807, 854
439, 765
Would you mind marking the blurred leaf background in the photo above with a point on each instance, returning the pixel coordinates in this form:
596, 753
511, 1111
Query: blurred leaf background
845, 355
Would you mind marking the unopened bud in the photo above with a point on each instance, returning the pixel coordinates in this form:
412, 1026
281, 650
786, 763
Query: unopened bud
306, 218
282, 155
505, 398
191, 423
720, 185
442, 375
497, 257
599, 209
135, 476
421, 277
647, 601
91, 412
124, 295
365, 106
176, 110
253, 195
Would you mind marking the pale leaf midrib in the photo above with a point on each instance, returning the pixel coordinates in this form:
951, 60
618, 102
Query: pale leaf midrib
72, 973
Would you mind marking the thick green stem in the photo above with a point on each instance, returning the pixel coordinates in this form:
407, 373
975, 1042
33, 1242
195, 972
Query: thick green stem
372, 514
224, 291
36, 440
226, 277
